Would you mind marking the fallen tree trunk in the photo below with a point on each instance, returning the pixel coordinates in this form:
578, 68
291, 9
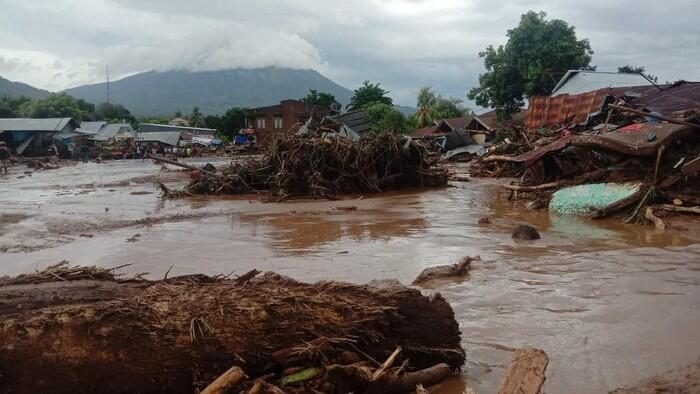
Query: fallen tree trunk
180, 334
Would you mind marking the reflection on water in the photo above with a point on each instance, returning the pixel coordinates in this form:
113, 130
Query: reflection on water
301, 233
598, 296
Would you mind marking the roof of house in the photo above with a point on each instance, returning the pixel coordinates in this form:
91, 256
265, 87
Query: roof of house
29, 124
164, 137
92, 126
153, 128
456, 123
582, 81
678, 97
358, 120
425, 132
490, 120
111, 129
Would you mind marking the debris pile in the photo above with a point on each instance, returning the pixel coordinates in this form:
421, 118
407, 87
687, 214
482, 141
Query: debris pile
299, 165
633, 152
257, 333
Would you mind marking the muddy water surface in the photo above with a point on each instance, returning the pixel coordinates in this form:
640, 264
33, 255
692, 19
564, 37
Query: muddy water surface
610, 303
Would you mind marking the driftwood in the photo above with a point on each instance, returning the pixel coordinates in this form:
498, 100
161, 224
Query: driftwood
526, 372
457, 271
225, 382
180, 334
524, 188
306, 166
658, 223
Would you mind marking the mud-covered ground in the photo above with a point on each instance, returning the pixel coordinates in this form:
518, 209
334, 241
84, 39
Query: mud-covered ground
610, 303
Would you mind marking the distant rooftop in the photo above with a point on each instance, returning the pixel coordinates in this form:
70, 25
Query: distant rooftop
152, 128
30, 124
581, 81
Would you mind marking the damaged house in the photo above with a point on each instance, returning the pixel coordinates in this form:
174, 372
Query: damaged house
287, 116
32, 137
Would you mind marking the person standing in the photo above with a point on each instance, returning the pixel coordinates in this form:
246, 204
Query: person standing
84, 153
4, 155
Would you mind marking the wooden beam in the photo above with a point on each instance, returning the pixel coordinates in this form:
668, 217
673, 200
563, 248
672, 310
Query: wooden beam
526, 372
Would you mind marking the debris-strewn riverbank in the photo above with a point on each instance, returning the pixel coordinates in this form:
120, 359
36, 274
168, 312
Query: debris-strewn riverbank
87, 328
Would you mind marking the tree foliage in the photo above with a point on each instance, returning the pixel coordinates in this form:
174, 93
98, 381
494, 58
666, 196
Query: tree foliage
315, 97
628, 69
369, 94
112, 113
10, 107
232, 121
537, 53
385, 118
432, 107
425, 102
57, 105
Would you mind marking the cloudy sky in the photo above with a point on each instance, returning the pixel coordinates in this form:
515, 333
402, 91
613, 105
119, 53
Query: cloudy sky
56, 44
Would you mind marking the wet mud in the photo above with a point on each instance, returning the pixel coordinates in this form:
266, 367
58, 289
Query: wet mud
599, 297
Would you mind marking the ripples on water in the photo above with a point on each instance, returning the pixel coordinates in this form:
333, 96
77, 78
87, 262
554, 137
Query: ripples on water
610, 303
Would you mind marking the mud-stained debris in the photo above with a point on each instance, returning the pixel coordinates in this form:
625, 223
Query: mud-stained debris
454, 272
298, 165
181, 334
685, 380
526, 372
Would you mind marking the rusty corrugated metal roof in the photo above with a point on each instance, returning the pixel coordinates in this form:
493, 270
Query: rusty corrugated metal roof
565, 108
672, 99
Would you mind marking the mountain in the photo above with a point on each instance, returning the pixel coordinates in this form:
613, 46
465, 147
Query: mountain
17, 89
163, 93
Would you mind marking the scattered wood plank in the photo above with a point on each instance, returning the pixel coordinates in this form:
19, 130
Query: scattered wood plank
526, 372
226, 381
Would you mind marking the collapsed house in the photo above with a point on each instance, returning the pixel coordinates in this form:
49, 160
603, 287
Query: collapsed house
611, 149
32, 137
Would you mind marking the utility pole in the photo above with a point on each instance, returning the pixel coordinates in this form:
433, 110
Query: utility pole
108, 84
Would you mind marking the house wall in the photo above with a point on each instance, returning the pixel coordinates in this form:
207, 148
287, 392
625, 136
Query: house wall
291, 112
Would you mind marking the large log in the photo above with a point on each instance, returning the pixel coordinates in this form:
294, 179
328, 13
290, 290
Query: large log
179, 334
526, 372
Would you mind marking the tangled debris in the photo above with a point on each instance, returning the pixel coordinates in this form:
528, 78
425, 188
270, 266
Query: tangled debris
297, 165
626, 145
180, 334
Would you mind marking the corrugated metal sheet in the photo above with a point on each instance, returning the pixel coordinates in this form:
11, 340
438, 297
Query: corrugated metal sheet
358, 121
564, 108
673, 99
28, 124
92, 126
111, 129
156, 128
576, 82
166, 137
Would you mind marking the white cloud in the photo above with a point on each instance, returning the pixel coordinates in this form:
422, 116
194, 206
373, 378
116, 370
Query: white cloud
404, 44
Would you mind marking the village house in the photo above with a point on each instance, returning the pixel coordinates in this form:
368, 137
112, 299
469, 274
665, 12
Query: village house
287, 116
33, 136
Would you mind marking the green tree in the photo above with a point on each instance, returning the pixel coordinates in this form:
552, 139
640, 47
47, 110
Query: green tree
213, 122
10, 106
450, 108
385, 118
155, 120
57, 105
315, 97
196, 118
113, 113
538, 51
367, 94
232, 121
628, 69
425, 102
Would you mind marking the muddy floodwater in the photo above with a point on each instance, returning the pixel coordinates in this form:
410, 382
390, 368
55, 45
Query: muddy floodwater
610, 303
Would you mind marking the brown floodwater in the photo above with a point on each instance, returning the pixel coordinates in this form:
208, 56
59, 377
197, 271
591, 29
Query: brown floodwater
610, 303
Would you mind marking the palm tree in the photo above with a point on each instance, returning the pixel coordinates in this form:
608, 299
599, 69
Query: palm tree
426, 101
